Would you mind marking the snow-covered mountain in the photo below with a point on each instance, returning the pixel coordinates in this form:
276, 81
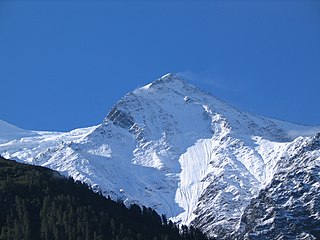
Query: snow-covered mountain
10, 132
183, 152
289, 207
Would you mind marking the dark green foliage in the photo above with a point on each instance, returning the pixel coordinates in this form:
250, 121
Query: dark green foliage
38, 203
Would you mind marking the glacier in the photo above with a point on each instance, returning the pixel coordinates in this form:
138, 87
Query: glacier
172, 147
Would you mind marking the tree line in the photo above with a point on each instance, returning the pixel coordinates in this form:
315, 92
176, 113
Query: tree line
38, 203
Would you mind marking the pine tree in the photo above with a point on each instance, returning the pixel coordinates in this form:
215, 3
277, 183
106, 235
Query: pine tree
39, 206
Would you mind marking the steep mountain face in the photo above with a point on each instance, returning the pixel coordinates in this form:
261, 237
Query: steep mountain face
289, 207
179, 150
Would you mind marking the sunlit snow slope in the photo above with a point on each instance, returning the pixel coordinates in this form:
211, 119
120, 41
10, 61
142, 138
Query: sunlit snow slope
10, 132
172, 147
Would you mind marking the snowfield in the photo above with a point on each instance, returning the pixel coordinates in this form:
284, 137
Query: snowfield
172, 147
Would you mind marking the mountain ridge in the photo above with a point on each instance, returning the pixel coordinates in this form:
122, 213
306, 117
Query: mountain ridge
175, 148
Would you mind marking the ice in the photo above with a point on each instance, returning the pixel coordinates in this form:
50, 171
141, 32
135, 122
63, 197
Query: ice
169, 146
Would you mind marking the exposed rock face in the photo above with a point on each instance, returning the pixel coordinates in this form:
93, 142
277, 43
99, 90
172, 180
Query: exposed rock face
193, 157
289, 207
121, 119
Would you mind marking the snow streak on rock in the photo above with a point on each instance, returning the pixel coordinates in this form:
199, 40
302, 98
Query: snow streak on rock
175, 148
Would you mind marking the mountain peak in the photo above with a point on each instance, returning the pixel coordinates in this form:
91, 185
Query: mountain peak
178, 101
190, 156
169, 78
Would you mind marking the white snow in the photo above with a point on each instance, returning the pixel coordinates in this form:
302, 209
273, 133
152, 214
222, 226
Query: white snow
10, 132
168, 145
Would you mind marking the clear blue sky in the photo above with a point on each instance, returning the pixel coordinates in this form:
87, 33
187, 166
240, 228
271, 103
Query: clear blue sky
63, 64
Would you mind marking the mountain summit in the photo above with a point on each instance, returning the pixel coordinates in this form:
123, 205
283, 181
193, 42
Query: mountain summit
183, 152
